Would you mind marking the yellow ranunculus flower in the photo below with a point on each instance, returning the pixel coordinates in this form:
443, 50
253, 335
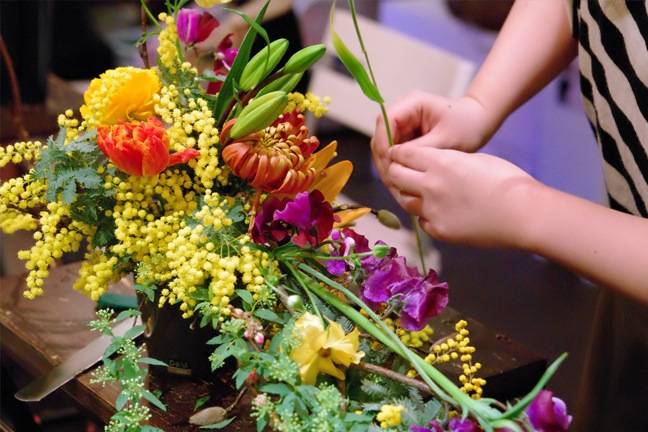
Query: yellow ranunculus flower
321, 349
210, 3
118, 95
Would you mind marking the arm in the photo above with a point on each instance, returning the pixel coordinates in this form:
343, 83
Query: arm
483, 200
533, 46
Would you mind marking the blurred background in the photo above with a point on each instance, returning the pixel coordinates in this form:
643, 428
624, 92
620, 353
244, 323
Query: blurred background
435, 45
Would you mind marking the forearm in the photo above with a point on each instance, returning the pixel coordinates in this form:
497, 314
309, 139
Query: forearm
534, 45
605, 245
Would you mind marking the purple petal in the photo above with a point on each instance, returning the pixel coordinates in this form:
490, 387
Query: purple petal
466, 425
336, 267
425, 301
377, 287
548, 413
187, 24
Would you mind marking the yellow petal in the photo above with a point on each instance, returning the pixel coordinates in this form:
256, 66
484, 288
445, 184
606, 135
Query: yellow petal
327, 366
348, 216
324, 156
333, 179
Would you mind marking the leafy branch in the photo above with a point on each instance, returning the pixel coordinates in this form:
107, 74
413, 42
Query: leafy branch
127, 370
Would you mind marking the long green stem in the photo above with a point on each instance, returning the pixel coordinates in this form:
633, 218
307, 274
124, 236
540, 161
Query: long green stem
480, 410
390, 138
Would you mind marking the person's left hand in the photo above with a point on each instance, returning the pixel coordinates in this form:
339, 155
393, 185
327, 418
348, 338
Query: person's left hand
474, 199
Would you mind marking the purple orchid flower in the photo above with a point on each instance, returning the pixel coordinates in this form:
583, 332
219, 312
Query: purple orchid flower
194, 25
548, 413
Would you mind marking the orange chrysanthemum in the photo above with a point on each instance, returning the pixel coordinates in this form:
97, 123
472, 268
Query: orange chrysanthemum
280, 158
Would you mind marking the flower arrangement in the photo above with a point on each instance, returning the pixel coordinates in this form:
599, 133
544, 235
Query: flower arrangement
207, 187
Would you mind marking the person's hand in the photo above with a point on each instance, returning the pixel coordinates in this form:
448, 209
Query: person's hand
459, 197
424, 119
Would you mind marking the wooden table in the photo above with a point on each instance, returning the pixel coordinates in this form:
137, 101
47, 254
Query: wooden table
41, 333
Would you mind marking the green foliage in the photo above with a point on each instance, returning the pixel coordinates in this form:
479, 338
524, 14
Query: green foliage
126, 370
71, 173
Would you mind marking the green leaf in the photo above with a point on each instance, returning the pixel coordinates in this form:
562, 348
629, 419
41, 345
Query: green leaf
121, 401
353, 65
268, 315
227, 91
216, 340
246, 296
356, 69
149, 428
128, 313
153, 399
251, 23
200, 402
241, 375
219, 425
152, 361
518, 408
275, 388
69, 192
133, 332
147, 289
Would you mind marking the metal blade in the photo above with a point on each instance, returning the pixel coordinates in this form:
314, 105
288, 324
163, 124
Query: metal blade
73, 366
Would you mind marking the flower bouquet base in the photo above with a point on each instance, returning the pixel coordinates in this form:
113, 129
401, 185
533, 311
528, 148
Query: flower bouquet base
178, 342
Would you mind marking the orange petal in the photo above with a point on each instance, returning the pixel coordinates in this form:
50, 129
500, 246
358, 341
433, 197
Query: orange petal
333, 180
347, 216
183, 156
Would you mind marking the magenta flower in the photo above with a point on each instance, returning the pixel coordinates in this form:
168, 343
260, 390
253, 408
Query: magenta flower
422, 298
306, 220
311, 215
195, 26
548, 413
266, 228
224, 59
433, 426
466, 425
424, 301
347, 241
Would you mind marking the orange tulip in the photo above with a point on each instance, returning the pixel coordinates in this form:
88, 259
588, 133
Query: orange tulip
140, 148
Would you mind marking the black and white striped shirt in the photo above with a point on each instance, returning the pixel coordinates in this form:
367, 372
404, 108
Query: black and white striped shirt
613, 60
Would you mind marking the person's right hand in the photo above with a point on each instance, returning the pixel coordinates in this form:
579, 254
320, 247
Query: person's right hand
423, 119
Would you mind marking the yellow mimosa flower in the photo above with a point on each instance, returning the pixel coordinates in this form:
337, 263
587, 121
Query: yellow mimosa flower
321, 349
119, 95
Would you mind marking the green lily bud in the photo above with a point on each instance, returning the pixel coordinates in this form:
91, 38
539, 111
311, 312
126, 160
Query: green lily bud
295, 302
388, 219
286, 83
304, 58
262, 64
259, 114
380, 250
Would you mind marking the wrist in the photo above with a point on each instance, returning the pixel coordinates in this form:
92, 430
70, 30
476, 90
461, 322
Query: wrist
534, 202
488, 122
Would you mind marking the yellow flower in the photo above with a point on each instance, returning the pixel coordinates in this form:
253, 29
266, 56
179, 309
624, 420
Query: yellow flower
390, 415
321, 349
118, 95
210, 3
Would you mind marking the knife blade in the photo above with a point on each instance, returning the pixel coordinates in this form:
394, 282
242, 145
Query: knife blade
72, 366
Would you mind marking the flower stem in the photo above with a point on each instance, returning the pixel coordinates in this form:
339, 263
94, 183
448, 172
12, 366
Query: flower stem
429, 373
390, 138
